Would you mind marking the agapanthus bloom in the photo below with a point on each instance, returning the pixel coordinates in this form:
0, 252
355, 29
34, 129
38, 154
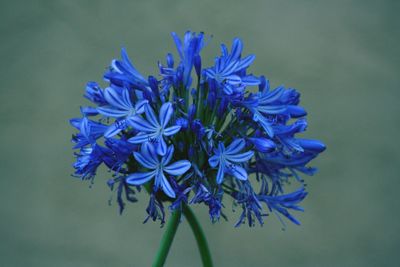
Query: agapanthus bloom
195, 135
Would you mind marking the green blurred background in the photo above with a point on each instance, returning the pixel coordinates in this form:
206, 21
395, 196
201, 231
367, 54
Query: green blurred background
343, 56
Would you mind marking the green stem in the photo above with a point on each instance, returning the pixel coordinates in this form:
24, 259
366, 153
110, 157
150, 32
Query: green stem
167, 239
199, 235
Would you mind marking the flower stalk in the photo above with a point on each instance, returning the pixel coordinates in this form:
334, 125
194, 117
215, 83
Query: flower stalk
170, 232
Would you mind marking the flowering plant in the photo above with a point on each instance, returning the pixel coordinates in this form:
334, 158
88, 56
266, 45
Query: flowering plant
196, 139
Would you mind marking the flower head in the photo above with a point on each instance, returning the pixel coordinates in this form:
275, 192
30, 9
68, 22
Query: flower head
197, 137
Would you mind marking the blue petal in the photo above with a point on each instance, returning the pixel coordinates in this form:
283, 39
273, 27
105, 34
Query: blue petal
220, 173
178, 168
272, 109
178, 44
167, 157
166, 187
244, 63
141, 138
116, 99
236, 50
139, 106
151, 117
239, 172
161, 146
213, 161
112, 112
139, 124
236, 146
313, 145
147, 162
85, 127
233, 79
166, 112
140, 178
262, 144
243, 157
111, 131
250, 80
171, 130
147, 150
264, 123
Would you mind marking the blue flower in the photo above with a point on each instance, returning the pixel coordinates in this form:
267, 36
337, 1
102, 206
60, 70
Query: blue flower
228, 68
149, 159
282, 203
267, 104
90, 131
95, 94
226, 160
87, 162
122, 73
121, 107
189, 52
154, 129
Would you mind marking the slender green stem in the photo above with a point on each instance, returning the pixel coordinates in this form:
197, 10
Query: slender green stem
167, 239
199, 235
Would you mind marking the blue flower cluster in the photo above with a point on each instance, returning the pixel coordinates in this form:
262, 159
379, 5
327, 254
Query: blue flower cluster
196, 135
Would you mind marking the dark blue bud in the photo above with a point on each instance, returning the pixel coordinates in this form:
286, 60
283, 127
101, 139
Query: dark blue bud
264, 84
170, 60
191, 112
197, 64
95, 94
193, 92
311, 145
183, 123
148, 94
262, 144
296, 111
222, 107
211, 100
198, 128
154, 85
191, 152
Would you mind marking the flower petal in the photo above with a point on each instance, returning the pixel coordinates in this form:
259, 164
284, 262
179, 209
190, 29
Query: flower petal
220, 173
213, 161
172, 130
151, 116
161, 147
147, 150
167, 158
239, 172
147, 162
111, 131
140, 138
236, 146
118, 99
139, 106
166, 187
112, 112
166, 112
139, 124
233, 79
178, 168
243, 157
140, 178
262, 144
